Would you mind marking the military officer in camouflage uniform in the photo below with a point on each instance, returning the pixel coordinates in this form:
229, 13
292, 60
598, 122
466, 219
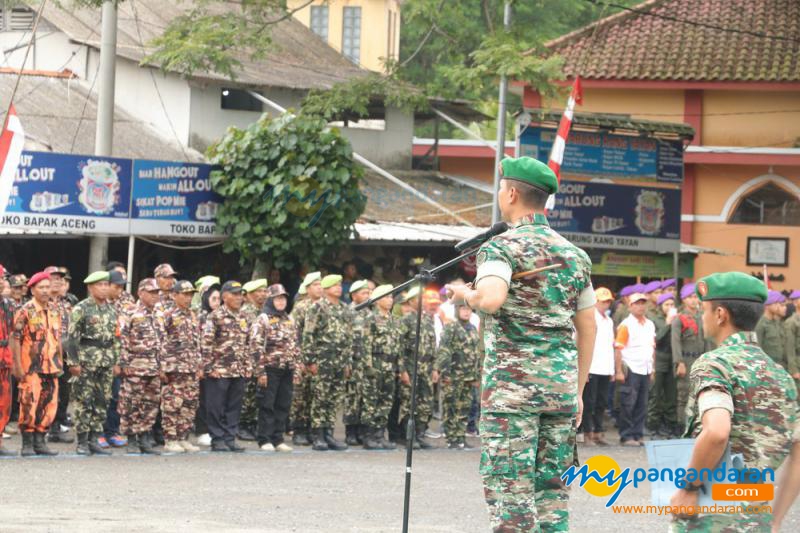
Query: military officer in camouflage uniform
539, 339
380, 372
456, 367
662, 418
92, 360
255, 294
770, 330
301, 398
63, 308
165, 277
739, 397
688, 343
327, 353
362, 354
405, 368
181, 369
227, 365
793, 340
140, 369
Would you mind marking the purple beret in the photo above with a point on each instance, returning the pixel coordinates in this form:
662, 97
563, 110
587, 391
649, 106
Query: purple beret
687, 290
626, 291
668, 283
795, 295
664, 297
639, 287
774, 297
652, 286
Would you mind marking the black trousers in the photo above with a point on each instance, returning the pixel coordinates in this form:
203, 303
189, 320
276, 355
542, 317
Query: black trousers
64, 387
595, 395
633, 406
274, 402
200, 426
223, 407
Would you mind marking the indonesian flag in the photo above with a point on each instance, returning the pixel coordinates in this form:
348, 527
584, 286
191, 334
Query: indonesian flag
767, 284
557, 152
11, 144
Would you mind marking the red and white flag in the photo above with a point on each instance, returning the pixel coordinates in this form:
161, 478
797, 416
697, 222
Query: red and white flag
557, 152
11, 143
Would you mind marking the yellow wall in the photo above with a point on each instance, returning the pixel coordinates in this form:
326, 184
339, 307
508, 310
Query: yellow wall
765, 125
380, 27
664, 105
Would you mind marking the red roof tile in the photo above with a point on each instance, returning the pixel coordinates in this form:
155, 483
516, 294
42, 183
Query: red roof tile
645, 46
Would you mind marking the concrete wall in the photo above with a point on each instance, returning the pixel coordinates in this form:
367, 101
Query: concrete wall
660, 105
380, 27
51, 50
765, 124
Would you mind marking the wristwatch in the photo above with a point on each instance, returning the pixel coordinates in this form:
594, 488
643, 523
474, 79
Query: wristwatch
693, 488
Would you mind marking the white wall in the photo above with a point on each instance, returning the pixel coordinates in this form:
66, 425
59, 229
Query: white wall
51, 50
390, 148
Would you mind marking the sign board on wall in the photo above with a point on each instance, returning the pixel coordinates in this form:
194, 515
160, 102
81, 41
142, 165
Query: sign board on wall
646, 266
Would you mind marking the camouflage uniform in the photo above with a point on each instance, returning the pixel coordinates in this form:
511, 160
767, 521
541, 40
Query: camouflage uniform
687, 346
530, 370
249, 417
94, 346
63, 308
772, 339
792, 325
761, 423
362, 359
301, 399
140, 390
457, 362
165, 301
180, 361
405, 363
662, 411
382, 373
327, 343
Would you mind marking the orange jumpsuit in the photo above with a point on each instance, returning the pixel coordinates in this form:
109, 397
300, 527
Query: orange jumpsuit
6, 318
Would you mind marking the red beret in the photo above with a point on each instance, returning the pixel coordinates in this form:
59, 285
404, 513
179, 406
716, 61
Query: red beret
36, 278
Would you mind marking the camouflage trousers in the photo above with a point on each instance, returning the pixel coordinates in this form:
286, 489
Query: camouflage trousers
180, 397
300, 415
354, 396
725, 523
424, 407
379, 395
327, 392
249, 418
91, 392
662, 401
38, 402
139, 400
523, 456
682, 387
457, 399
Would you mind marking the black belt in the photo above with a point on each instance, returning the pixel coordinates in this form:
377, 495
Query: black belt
96, 343
686, 354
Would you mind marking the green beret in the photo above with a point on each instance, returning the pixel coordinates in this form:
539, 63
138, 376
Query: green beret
330, 280
731, 286
254, 285
381, 291
358, 285
207, 280
302, 290
311, 277
531, 171
413, 293
94, 277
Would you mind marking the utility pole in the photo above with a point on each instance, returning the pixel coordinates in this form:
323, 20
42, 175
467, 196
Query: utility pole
500, 151
104, 136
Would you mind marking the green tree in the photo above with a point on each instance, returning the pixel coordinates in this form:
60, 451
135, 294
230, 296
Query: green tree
291, 190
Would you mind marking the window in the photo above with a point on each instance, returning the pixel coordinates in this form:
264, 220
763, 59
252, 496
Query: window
319, 21
770, 205
15, 18
351, 34
240, 100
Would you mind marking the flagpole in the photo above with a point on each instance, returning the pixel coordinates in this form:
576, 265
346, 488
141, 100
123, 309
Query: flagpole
24, 60
500, 148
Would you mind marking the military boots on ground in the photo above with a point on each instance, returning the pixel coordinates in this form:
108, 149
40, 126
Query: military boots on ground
83, 444
27, 445
372, 440
332, 443
40, 445
319, 443
146, 445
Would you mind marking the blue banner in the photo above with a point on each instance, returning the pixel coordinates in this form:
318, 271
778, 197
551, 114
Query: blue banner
70, 193
173, 199
597, 154
618, 216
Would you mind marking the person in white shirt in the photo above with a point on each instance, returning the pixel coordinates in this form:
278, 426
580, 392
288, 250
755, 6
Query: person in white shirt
594, 394
634, 361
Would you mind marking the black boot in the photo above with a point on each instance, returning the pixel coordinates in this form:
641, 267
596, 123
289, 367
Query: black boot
420, 438
362, 432
83, 444
351, 435
372, 440
386, 444
95, 448
145, 445
133, 443
27, 444
319, 443
40, 445
300, 437
334, 444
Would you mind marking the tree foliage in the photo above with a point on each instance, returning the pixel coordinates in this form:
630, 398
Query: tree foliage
291, 190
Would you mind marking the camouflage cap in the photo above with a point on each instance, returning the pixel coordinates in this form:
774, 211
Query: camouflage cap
53, 270
331, 280
183, 286
731, 286
95, 277
276, 289
164, 270
17, 280
381, 291
530, 171
148, 284
254, 285
231, 286
358, 285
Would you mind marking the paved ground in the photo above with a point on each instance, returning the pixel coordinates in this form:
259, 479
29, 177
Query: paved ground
304, 491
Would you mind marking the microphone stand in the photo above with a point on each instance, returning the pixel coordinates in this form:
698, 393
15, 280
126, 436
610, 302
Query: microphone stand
422, 278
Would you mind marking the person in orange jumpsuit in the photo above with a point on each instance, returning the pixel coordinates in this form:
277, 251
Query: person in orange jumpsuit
38, 361
6, 362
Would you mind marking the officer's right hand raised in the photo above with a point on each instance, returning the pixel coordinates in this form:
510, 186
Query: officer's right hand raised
75, 371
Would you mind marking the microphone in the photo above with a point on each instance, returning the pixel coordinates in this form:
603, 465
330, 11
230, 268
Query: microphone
496, 229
